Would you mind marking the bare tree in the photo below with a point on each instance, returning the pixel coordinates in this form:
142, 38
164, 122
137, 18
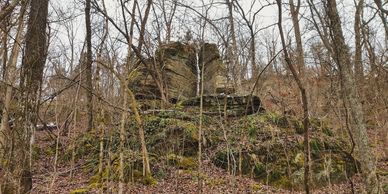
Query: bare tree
298, 37
88, 65
10, 74
294, 15
127, 94
352, 100
250, 18
6, 134
236, 69
8, 9
32, 74
383, 13
168, 10
358, 66
4, 32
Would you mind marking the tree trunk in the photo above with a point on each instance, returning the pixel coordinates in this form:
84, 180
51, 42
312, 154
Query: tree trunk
10, 75
4, 41
351, 98
124, 116
88, 71
33, 66
358, 67
139, 121
255, 69
298, 38
306, 122
236, 69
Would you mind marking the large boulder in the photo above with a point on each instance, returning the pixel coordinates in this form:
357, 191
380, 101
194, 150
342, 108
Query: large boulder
177, 62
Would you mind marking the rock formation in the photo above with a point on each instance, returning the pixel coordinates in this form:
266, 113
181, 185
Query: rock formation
214, 69
177, 63
236, 105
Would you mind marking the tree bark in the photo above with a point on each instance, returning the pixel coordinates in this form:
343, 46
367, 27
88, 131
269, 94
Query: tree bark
236, 69
124, 93
88, 71
298, 37
4, 31
124, 116
33, 65
351, 98
358, 67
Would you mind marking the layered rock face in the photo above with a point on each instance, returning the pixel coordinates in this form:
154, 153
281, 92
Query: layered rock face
214, 69
179, 65
235, 105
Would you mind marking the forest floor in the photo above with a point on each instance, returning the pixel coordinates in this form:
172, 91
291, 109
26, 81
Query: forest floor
64, 180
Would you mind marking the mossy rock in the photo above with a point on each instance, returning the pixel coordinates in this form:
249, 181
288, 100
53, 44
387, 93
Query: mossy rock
256, 187
80, 191
96, 180
385, 188
298, 126
275, 119
221, 160
145, 180
276, 155
167, 133
251, 164
283, 182
186, 163
215, 182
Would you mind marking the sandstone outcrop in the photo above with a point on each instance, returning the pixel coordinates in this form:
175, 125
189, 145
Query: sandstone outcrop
179, 65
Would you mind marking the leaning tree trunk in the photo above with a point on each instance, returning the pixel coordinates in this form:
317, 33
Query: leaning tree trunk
351, 98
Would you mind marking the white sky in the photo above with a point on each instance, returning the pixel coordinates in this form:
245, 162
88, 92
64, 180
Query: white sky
74, 9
